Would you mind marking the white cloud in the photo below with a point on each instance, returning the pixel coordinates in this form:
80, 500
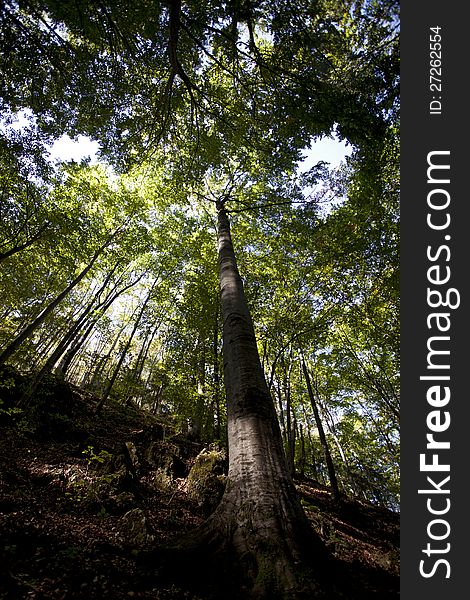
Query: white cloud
65, 149
329, 149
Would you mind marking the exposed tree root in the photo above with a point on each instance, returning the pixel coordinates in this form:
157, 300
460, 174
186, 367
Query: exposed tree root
238, 552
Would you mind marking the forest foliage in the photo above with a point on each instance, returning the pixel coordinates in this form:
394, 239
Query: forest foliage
108, 271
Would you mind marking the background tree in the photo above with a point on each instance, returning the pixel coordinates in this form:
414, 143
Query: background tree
204, 111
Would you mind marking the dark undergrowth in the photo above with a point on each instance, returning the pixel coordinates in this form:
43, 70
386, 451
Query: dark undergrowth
90, 506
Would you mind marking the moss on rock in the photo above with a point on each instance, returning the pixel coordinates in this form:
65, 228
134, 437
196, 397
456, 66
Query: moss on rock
206, 479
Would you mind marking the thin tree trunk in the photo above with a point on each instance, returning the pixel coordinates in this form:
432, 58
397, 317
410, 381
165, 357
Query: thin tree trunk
302, 460
152, 395
199, 382
31, 328
54, 357
109, 387
68, 357
215, 349
321, 433
142, 358
77, 326
20, 247
259, 520
278, 393
290, 439
309, 435
331, 428
103, 306
293, 440
100, 367
67, 338
44, 345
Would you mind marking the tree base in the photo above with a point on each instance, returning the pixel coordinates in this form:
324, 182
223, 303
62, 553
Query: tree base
234, 556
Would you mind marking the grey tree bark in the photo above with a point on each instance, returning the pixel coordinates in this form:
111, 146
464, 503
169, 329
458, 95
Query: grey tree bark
259, 520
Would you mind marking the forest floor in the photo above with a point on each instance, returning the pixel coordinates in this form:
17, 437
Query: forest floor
84, 499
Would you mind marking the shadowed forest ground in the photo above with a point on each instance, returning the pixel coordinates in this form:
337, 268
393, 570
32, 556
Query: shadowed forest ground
89, 504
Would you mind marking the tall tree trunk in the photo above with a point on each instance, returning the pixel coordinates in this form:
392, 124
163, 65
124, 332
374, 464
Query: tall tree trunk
259, 520
292, 442
321, 432
68, 357
75, 329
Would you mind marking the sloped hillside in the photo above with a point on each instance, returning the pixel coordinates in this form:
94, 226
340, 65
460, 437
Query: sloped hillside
90, 505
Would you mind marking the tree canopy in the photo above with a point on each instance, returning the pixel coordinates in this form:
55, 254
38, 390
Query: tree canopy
108, 272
